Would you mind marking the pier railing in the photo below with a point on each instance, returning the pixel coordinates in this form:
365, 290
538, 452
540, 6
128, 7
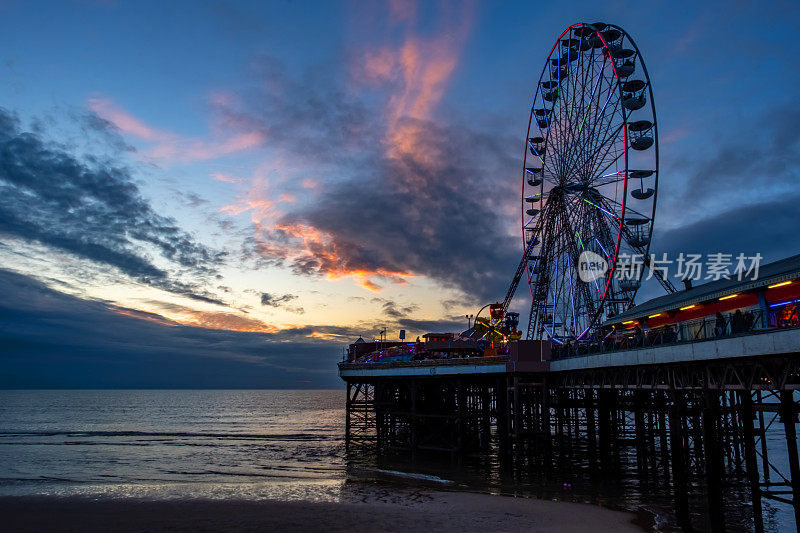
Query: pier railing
453, 361
706, 329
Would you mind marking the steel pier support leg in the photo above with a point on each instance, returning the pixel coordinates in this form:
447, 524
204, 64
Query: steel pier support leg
603, 427
377, 399
547, 453
347, 419
788, 415
662, 434
751, 460
639, 433
461, 411
516, 408
680, 483
590, 425
763, 432
486, 416
713, 461
501, 404
414, 432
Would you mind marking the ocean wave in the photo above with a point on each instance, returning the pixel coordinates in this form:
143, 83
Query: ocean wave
173, 435
413, 475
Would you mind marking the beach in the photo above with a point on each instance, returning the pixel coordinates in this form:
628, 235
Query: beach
404, 511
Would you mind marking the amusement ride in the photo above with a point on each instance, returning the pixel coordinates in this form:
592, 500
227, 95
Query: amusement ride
589, 187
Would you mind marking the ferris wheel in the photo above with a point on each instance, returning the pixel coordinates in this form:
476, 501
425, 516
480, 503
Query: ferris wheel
589, 181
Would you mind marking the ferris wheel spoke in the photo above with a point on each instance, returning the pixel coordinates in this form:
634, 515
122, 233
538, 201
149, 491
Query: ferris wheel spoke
607, 129
602, 127
591, 130
580, 138
559, 128
617, 154
575, 101
600, 137
574, 246
575, 132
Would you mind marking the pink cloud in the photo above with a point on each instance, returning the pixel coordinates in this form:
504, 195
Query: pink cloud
416, 72
402, 10
304, 243
309, 183
225, 178
126, 122
170, 147
261, 199
300, 242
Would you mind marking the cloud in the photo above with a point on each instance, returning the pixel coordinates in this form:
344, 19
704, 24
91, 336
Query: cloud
170, 147
225, 178
311, 251
402, 10
127, 123
416, 74
52, 340
274, 300
418, 200
193, 199
732, 172
733, 231
223, 321
440, 326
392, 309
94, 210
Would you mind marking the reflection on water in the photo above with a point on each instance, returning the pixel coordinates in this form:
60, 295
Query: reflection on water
286, 445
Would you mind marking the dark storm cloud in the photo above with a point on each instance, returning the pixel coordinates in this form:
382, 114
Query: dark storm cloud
274, 300
310, 115
768, 228
441, 326
445, 217
93, 210
769, 160
393, 309
91, 123
740, 197
728, 183
50, 339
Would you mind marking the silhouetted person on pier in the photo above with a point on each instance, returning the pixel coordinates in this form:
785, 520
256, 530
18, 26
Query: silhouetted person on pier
670, 335
719, 326
749, 321
638, 336
737, 322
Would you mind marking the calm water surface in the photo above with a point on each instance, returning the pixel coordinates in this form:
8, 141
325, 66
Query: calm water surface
252, 444
286, 445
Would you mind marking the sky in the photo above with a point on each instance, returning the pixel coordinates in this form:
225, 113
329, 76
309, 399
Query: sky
225, 194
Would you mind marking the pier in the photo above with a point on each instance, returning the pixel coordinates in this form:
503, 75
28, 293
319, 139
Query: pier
689, 403
698, 420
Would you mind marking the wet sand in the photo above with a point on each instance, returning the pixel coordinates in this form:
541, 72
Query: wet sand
421, 511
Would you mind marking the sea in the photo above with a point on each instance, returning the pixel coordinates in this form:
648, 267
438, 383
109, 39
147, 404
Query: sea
258, 444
